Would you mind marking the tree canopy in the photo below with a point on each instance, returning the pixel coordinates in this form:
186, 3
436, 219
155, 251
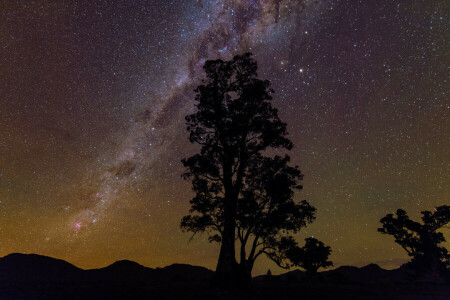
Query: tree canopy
239, 193
312, 256
267, 213
420, 241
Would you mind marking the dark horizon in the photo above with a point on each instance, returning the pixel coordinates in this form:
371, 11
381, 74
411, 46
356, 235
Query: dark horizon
37, 277
281, 271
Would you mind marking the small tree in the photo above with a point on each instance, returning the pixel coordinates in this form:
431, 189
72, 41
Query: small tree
421, 241
311, 257
267, 214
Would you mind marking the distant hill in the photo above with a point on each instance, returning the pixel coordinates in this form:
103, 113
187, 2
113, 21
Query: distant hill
23, 267
33, 267
31, 276
371, 273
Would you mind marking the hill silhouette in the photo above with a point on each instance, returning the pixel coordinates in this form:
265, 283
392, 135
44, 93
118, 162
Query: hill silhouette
23, 267
371, 273
32, 276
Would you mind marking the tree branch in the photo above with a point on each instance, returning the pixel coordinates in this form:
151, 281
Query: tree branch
276, 260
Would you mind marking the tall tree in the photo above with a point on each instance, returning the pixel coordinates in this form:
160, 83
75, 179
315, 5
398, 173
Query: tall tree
421, 241
234, 122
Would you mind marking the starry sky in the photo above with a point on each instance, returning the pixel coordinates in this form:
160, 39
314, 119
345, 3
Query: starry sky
93, 96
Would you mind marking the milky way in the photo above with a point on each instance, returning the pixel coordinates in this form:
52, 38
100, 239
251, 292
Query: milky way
227, 28
92, 119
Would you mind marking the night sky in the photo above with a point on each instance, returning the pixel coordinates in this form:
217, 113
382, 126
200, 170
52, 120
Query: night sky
93, 96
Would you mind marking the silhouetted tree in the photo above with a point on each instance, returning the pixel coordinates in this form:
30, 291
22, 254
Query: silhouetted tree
234, 123
311, 257
267, 215
421, 241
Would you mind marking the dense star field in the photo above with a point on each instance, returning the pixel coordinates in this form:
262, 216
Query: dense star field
93, 96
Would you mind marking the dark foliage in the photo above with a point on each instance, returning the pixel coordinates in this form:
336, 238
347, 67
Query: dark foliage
421, 241
267, 214
238, 192
311, 257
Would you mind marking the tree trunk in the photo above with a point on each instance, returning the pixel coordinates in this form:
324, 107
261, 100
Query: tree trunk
245, 272
227, 269
226, 264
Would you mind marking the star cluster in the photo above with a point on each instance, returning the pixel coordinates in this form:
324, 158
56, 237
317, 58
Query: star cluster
94, 94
